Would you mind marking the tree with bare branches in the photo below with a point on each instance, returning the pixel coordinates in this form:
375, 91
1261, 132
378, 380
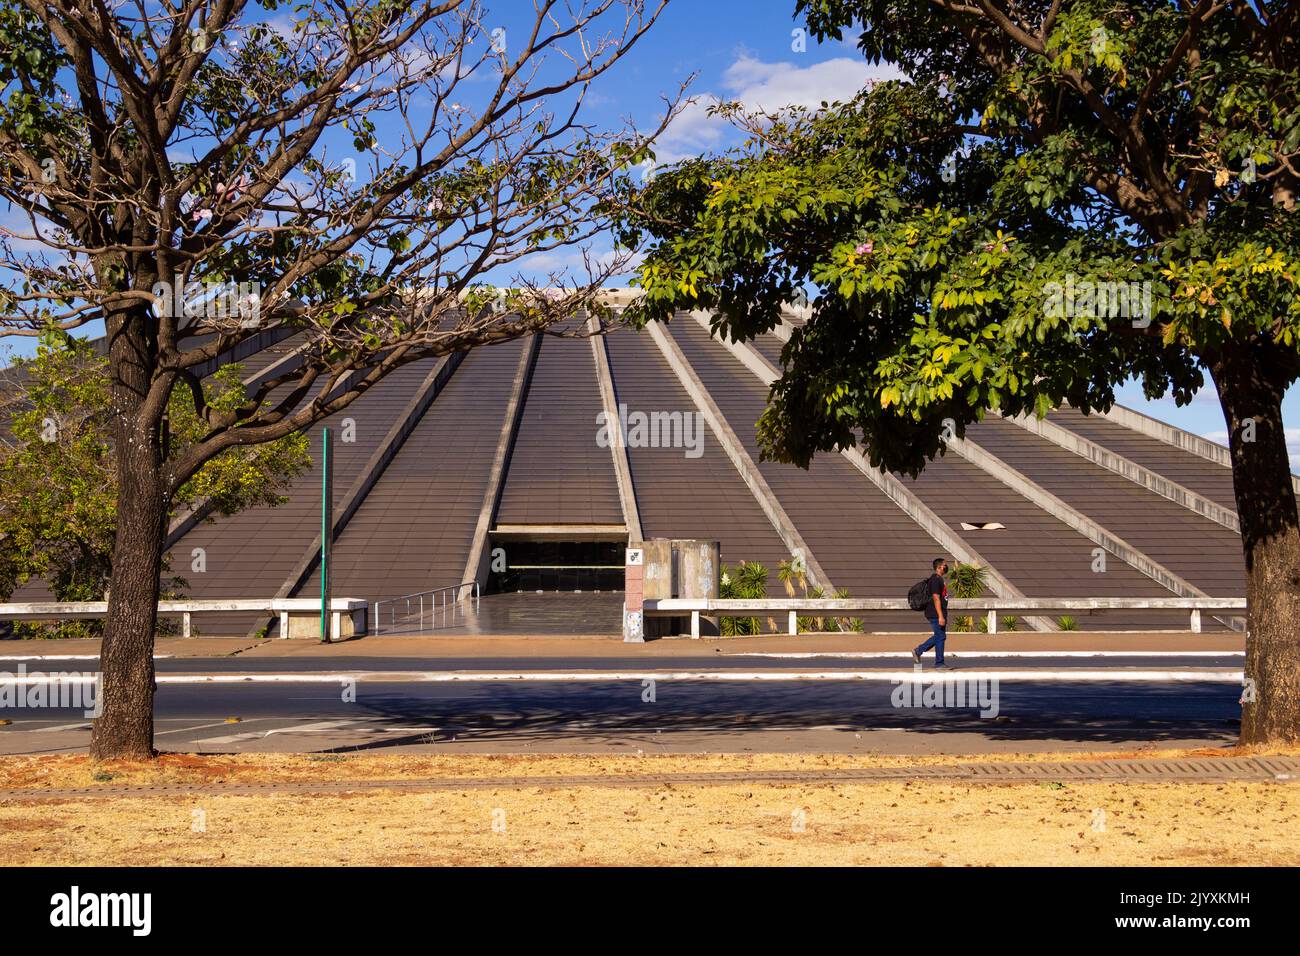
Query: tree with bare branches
368, 172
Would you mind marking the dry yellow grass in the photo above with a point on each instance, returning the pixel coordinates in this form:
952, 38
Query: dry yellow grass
879, 823
891, 823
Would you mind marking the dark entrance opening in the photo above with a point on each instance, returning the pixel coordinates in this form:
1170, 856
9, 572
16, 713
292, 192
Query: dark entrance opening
556, 566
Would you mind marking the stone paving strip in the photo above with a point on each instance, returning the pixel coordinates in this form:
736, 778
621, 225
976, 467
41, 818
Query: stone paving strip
1274, 769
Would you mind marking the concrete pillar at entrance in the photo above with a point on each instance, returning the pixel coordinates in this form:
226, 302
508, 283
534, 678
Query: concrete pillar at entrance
657, 581
633, 596
678, 568
699, 575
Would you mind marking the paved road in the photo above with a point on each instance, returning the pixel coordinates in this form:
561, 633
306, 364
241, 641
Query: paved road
685, 716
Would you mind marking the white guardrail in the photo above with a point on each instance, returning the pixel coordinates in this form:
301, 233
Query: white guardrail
841, 607
415, 606
355, 608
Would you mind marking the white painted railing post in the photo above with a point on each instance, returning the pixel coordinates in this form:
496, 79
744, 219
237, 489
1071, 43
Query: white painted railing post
185, 625
1196, 621
993, 620
695, 624
792, 625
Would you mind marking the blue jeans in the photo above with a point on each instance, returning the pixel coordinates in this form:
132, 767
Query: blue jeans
937, 636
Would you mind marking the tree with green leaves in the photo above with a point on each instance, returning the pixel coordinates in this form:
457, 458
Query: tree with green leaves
1063, 196
365, 171
58, 477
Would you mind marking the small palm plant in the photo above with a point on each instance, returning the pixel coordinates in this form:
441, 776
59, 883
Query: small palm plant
791, 573
853, 624
813, 623
753, 581
747, 581
1066, 623
968, 581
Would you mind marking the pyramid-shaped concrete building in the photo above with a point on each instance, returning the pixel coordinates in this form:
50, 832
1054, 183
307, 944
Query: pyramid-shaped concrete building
529, 467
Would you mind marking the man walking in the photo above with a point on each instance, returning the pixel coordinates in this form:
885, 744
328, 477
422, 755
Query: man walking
936, 612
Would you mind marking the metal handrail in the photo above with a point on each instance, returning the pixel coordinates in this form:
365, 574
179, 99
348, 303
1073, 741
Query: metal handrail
417, 600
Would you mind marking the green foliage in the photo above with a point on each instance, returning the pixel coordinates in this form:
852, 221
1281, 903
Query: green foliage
747, 580
58, 486
239, 478
1067, 623
1009, 623
940, 220
968, 581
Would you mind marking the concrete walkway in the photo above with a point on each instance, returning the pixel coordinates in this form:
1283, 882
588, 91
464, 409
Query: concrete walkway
516, 646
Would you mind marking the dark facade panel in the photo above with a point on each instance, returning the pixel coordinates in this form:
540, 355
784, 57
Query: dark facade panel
864, 541
1192, 471
769, 346
414, 530
558, 473
680, 496
1036, 552
260, 361
1204, 553
250, 554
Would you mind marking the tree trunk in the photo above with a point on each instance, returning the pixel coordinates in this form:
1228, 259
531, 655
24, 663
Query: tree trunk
1250, 388
124, 728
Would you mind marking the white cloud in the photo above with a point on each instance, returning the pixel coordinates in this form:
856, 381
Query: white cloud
771, 86
21, 233
692, 131
572, 264
765, 86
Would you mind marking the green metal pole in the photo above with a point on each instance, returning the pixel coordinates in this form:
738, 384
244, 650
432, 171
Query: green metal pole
326, 532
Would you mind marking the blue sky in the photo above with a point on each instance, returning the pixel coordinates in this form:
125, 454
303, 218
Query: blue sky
745, 50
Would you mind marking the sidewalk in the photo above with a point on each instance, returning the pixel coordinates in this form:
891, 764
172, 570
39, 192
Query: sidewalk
478, 646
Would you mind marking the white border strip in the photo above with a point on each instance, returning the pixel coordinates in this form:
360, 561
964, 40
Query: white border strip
590, 677
62, 657
967, 655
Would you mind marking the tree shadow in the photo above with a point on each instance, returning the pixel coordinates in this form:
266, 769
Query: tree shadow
603, 714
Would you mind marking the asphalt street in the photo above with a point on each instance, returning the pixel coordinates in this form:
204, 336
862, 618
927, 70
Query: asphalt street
648, 712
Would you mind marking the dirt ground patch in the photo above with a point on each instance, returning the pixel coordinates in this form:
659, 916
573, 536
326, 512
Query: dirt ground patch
916, 823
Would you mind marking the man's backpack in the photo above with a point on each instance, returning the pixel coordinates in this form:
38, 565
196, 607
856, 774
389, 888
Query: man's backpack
918, 595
